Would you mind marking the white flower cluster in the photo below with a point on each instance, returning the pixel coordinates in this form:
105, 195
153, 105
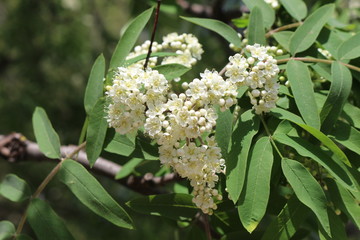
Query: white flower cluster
258, 72
131, 89
186, 46
325, 53
273, 3
182, 123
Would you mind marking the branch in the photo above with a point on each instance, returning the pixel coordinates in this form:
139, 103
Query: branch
15, 147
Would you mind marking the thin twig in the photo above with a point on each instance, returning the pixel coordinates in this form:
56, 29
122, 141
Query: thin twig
153, 33
317, 60
282, 28
207, 226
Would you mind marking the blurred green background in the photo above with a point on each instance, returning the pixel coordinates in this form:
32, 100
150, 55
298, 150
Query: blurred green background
47, 49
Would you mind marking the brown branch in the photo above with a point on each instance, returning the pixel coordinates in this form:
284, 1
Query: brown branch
15, 148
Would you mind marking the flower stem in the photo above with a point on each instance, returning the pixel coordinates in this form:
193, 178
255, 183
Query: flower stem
270, 136
317, 60
153, 33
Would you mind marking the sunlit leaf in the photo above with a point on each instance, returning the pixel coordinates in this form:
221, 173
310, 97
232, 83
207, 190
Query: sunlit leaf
96, 131
255, 193
90, 192
129, 38
267, 12
302, 89
306, 34
14, 188
94, 87
46, 137
244, 131
45, 222
307, 190
174, 205
256, 30
220, 28
296, 8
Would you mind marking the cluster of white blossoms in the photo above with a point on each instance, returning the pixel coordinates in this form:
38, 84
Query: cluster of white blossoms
133, 88
186, 46
273, 3
258, 72
182, 124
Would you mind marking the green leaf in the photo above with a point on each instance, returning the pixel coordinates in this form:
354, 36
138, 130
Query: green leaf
118, 143
307, 190
7, 230
306, 34
331, 39
256, 191
90, 192
302, 89
296, 8
240, 22
94, 87
246, 128
174, 205
171, 71
220, 28
268, 13
344, 200
128, 167
339, 92
346, 135
336, 226
289, 220
286, 115
133, 60
350, 49
14, 188
224, 128
96, 131
340, 155
256, 30
46, 137
283, 38
323, 69
306, 149
45, 222
129, 38
352, 114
